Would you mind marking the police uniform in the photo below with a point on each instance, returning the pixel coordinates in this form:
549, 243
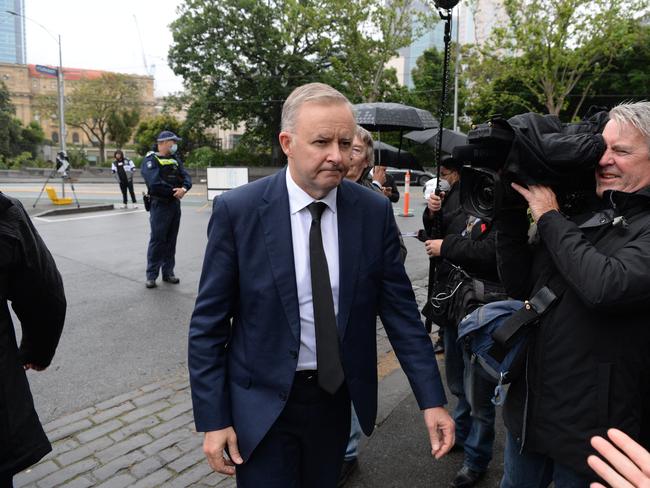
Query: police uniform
162, 174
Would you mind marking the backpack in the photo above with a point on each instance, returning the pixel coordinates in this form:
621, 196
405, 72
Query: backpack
497, 333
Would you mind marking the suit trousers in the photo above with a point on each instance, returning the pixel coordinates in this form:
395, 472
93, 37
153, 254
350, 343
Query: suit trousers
305, 446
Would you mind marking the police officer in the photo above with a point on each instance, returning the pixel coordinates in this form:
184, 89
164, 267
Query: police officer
167, 183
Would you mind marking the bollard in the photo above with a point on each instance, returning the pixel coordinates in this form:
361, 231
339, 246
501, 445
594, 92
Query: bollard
407, 191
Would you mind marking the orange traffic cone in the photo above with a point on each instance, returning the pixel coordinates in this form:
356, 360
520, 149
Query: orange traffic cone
407, 195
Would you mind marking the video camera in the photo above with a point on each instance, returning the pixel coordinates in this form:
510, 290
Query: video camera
529, 149
62, 164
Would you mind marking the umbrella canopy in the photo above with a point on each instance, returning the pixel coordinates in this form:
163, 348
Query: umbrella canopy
450, 138
382, 116
388, 155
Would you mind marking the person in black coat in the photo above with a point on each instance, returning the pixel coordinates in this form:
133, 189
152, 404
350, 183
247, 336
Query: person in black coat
464, 252
29, 280
588, 365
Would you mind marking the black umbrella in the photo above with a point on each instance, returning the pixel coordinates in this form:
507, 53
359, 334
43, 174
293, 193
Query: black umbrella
450, 138
392, 156
383, 116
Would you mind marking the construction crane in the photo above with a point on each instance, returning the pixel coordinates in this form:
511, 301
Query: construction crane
147, 69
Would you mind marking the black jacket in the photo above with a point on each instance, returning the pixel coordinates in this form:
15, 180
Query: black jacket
589, 360
30, 280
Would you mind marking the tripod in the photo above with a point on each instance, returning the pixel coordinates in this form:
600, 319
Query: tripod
63, 176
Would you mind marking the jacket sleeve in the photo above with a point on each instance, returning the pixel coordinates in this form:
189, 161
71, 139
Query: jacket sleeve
601, 281
210, 325
514, 254
401, 318
475, 255
37, 296
187, 179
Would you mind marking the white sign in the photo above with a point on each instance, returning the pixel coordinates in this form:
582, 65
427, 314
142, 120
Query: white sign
223, 179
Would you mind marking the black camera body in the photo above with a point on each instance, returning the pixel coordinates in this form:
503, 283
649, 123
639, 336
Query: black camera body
529, 149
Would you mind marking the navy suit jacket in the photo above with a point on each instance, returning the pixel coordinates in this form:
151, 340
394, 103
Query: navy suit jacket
245, 330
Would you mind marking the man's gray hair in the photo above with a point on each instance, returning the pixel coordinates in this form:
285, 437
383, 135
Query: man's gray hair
366, 138
311, 92
636, 114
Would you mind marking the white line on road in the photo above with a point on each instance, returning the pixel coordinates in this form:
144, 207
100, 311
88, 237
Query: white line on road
113, 214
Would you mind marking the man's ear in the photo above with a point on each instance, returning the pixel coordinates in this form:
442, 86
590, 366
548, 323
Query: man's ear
285, 142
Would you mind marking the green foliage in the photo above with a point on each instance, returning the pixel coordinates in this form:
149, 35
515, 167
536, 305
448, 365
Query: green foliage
148, 130
121, 124
14, 138
94, 102
77, 157
241, 58
550, 46
204, 157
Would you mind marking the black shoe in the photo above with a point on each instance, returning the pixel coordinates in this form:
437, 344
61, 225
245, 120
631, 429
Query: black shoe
466, 477
346, 470
171, 279
150, 283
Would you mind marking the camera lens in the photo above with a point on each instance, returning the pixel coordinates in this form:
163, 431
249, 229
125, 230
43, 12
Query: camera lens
483, 194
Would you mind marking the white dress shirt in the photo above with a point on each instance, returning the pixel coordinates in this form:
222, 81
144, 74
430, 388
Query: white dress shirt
300, 225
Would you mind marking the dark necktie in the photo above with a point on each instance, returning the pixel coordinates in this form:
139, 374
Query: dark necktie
330, 371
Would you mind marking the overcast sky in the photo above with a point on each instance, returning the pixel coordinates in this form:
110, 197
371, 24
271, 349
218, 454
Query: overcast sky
102, 34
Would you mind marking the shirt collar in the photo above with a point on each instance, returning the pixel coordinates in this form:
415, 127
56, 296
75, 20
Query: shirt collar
299, 199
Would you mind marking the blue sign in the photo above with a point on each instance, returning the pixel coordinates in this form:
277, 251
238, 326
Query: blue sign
46, 70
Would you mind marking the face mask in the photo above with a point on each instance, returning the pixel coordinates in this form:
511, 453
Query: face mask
173, 149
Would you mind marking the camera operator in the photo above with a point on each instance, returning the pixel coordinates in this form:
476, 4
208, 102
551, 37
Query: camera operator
468, 243
588, 365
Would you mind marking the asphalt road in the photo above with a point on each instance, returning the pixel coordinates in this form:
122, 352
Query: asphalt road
118, 334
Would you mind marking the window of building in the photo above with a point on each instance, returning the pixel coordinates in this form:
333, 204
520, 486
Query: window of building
55, 137
75, 138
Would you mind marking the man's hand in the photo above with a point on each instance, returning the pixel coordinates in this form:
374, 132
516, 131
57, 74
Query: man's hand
540, 198
33, 366
433, 247
379, 175
434, 202
214, 444
441, 430
387, 191
179, 192
630, 467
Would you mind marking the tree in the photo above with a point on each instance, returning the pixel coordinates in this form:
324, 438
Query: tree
94, 102
121, 125
148, 130
242, 58
551, 45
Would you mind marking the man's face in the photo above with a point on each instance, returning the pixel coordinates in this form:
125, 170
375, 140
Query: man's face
449, 175
358, 160
164, 147
625, 166
318, 149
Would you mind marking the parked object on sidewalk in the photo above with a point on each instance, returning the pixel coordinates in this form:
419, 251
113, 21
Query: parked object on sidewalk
56, 200
29, 280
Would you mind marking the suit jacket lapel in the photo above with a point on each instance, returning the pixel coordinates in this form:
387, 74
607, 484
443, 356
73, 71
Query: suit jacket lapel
276, 222
350, 246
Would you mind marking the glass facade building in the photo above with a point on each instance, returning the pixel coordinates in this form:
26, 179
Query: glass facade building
12, 32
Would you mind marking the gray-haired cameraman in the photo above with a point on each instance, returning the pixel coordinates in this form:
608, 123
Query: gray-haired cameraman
588, 362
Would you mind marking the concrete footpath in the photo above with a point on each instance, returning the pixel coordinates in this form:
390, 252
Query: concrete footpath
146, 438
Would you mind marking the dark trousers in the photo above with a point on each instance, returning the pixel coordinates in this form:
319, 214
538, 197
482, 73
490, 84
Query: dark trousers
165, 218
124, 185
6, 481
305, 447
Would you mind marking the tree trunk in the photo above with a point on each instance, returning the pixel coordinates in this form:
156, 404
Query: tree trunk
102, 147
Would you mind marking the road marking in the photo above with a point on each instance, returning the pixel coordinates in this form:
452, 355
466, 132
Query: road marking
86, 217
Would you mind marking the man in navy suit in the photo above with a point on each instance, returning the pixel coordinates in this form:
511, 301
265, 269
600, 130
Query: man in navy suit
283, 335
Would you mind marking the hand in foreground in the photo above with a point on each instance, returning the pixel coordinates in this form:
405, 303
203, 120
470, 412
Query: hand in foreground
441, 430
33, 366
629, 468
434, 202
179, 192
540, 198
387, 191
433, 246
214, 444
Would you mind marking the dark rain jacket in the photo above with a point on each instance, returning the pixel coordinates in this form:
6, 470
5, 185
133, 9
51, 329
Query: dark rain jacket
588, 361
29, 280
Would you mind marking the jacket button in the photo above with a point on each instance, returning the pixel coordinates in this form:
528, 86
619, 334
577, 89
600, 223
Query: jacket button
293, 354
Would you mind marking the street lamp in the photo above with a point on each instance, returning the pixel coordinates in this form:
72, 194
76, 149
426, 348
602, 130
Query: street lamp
59, 78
